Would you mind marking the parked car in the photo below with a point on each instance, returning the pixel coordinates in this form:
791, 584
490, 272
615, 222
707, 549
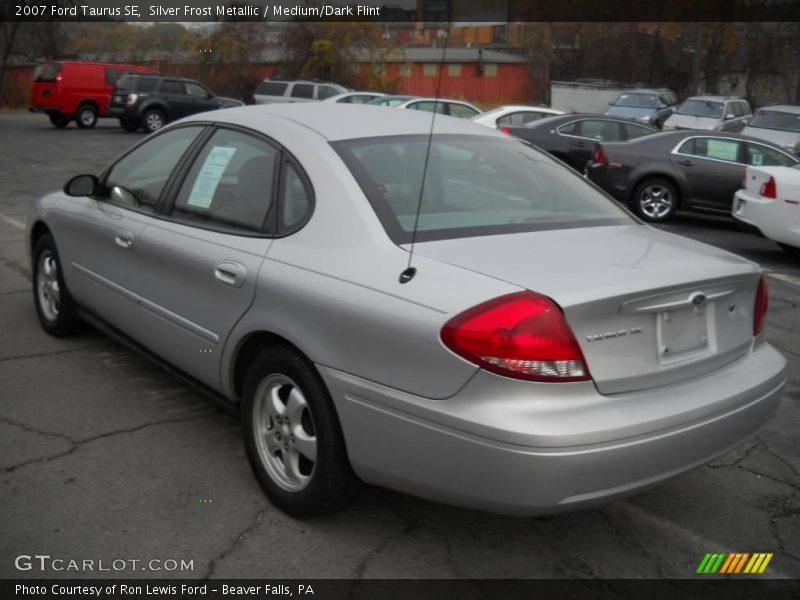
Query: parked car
295, 90
687, 170
444, 106
572, 137
778, 124
652, 107
355, 97
391, 100
769, 203
151, 101
514, 116
79, 91
545, 351
713, 113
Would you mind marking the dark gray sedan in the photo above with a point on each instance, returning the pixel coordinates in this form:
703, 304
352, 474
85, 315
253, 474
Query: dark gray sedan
687, 170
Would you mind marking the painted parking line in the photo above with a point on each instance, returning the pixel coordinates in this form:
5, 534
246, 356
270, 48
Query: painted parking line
12, 221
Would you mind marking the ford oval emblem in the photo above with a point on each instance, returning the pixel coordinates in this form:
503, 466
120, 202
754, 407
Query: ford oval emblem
697, 298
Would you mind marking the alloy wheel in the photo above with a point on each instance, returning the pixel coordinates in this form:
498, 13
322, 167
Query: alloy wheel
656, 201
47, 285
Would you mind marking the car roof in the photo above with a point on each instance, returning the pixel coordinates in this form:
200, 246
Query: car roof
334, 121
576, 116
688, 133
293, 80
554, 111
714, 98
787, 108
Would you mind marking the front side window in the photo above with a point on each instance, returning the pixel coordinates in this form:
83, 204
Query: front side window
230, 184
197, 90
762, 156
271, 88
146, 84
137, 179
717, 149
474, 185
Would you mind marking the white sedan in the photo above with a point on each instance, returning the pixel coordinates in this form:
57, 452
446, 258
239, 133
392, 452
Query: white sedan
355, 97
514, 116
770, 203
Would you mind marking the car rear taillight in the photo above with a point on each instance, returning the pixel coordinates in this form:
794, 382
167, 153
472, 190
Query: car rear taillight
522, 335
760, 310
599, 155
769, 189
506, 130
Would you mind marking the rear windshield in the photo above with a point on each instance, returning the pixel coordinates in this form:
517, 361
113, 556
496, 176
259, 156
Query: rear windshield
701, 108
473, 185
637, 101
775, 119
46, 72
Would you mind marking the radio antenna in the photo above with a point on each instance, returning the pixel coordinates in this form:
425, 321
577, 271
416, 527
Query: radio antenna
409, 272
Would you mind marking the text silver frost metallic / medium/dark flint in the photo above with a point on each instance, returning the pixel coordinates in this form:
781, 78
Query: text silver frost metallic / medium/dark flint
259, 249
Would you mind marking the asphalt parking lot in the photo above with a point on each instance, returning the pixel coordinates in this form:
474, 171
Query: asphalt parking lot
104, 456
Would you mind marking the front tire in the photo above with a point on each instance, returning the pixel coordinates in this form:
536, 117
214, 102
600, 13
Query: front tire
153, 120
292, 435
86, 117
655, 200
59, 121
54, 305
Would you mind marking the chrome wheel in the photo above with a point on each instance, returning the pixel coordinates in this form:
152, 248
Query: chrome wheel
47, 286
154, 121
656, 201
87, 118
284, 432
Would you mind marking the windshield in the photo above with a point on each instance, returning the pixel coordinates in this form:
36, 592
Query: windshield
637, 101
701, 108
474, 185
775, 119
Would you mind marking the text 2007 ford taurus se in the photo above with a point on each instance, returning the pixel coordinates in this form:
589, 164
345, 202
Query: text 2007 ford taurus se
545, 351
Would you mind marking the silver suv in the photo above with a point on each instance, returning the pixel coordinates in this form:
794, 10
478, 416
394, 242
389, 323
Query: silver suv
295, 90
714, 113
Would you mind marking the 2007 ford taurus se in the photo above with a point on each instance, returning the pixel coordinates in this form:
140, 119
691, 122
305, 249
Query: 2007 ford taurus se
446, 312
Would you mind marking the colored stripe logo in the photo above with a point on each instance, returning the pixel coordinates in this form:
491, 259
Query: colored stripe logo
734, 563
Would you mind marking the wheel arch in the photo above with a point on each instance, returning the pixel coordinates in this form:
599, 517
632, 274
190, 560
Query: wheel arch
247, 349
38, 229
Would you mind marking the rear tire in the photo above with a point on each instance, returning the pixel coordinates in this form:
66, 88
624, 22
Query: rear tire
59, 121
86, 117
54, 305
292, 435
153, 120
655, 200
129, 125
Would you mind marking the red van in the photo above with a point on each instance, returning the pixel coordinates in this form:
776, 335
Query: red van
76, 90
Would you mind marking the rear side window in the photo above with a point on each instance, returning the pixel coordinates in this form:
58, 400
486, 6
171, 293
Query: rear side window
295, 201
303, 90
46, 73
518, 119
429, 106
597, 129
146, 84
635, 131
173, 87
195, 89
271, 88
143, 173
230, 185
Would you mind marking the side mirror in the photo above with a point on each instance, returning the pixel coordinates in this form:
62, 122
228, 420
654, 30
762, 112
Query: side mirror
81, 185
729, 116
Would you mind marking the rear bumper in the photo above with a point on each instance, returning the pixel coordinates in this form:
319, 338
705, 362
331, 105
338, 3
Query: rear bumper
776, 219
512, 447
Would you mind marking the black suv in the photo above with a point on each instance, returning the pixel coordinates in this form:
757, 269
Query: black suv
151, 101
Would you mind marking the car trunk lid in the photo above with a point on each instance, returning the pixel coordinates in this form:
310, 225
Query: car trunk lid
647, 308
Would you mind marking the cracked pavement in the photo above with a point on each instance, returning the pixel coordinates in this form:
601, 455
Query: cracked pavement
104, 456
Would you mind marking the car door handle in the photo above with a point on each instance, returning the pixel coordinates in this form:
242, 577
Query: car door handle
686, 163
124, 239
230, 273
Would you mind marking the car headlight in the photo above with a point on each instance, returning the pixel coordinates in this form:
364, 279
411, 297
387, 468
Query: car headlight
132, 98
646, 119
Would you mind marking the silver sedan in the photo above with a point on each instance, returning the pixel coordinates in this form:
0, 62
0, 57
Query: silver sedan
448, 312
